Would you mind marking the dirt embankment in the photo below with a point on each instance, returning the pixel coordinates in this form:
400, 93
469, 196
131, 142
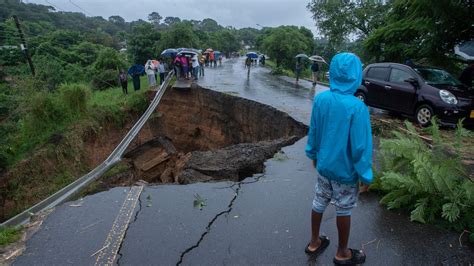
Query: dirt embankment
204, 135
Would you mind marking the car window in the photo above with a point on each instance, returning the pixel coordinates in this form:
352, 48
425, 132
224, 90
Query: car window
379, 73
435, 76
399, 76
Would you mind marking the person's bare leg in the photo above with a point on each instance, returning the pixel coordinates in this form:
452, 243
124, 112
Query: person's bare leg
316, 218
343, 229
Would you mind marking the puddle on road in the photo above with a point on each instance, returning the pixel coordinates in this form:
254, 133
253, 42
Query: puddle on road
205, 135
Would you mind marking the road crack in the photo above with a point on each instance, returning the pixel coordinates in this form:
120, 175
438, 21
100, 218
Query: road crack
209, 225
119, 253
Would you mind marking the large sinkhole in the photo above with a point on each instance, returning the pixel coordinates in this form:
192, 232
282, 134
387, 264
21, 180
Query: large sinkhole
203, 135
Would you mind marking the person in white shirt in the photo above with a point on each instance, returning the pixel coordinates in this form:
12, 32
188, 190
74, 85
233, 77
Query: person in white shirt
150, 69
195, 62
161, 70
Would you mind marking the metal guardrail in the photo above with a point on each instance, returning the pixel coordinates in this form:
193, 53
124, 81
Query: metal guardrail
70, 190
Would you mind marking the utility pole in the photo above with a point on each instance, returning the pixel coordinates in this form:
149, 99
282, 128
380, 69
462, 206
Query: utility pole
24, 48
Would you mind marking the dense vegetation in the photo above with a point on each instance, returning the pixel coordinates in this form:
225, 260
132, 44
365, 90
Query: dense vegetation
428, 180
395, 30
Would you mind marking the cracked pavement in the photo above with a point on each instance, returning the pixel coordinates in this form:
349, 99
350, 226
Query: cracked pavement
264, 219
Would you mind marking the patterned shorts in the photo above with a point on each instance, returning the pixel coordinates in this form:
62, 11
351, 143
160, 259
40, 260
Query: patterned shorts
343, 196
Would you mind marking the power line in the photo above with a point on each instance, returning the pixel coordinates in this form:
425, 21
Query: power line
53, 5
85, 11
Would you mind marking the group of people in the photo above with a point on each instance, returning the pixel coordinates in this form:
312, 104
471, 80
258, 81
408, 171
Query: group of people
154, 69
188, 66
211, 58
314, 70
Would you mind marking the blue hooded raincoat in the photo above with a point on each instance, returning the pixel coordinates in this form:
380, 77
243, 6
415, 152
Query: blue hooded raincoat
340, 137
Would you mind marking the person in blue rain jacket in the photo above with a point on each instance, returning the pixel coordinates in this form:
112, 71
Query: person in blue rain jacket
340, 146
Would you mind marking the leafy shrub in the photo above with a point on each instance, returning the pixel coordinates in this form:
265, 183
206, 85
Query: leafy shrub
105, 79
74, 97
430, 182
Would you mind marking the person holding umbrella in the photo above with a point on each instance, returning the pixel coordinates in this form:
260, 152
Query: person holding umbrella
298, 68
135, 72
314, 70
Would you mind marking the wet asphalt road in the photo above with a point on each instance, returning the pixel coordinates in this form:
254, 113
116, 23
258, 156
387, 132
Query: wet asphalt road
262, 220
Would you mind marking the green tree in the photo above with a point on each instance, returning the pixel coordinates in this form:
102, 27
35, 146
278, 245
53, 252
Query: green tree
209, 25
339, 20
419, 29
284, 42
226, 42
106, 67
142, 41
179, 35
155, 18
170, 21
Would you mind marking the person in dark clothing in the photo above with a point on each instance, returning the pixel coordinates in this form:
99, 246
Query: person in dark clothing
262, 60
298, 68
466, 75
135, 72
123, 81
314, 70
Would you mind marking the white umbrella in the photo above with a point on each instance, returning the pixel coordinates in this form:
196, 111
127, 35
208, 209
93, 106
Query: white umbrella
317, 58
465, 50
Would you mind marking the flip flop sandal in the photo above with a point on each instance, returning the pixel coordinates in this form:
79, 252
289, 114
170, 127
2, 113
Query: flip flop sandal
320, 249
358, 257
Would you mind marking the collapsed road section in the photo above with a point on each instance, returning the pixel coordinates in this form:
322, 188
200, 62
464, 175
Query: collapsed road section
203, 135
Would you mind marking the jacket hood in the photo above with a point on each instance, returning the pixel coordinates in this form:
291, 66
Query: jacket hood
345, 73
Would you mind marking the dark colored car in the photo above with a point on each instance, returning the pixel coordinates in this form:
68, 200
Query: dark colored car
419, 92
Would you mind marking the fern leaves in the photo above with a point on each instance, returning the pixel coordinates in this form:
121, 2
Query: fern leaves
431, 183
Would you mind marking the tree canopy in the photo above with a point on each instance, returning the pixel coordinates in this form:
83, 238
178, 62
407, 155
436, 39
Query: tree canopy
284, 42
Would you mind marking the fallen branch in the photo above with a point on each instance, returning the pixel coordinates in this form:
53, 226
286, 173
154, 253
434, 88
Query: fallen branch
429, 141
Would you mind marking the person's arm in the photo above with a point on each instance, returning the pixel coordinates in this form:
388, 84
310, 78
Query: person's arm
312, 147
361, 144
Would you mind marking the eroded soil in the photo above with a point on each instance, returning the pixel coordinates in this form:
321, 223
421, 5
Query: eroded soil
204, 135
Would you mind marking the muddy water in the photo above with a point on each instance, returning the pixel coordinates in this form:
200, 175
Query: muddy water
204, 135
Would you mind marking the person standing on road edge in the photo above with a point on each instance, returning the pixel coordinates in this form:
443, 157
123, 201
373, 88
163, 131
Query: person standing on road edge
195, 64
298, 67
248, 64
161, 70
123, 79
150, 73
135, 72
314, 70
340, 146
202, 61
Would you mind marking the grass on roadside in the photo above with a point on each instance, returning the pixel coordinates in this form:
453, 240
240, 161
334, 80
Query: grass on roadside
305, 73
9, 235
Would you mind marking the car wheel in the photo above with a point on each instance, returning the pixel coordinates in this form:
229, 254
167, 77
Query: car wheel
360, 95
423, 115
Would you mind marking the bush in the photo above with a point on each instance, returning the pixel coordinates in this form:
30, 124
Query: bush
429, 182
75, 97
105, 79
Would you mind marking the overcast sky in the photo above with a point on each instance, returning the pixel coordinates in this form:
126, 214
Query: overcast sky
236, 13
